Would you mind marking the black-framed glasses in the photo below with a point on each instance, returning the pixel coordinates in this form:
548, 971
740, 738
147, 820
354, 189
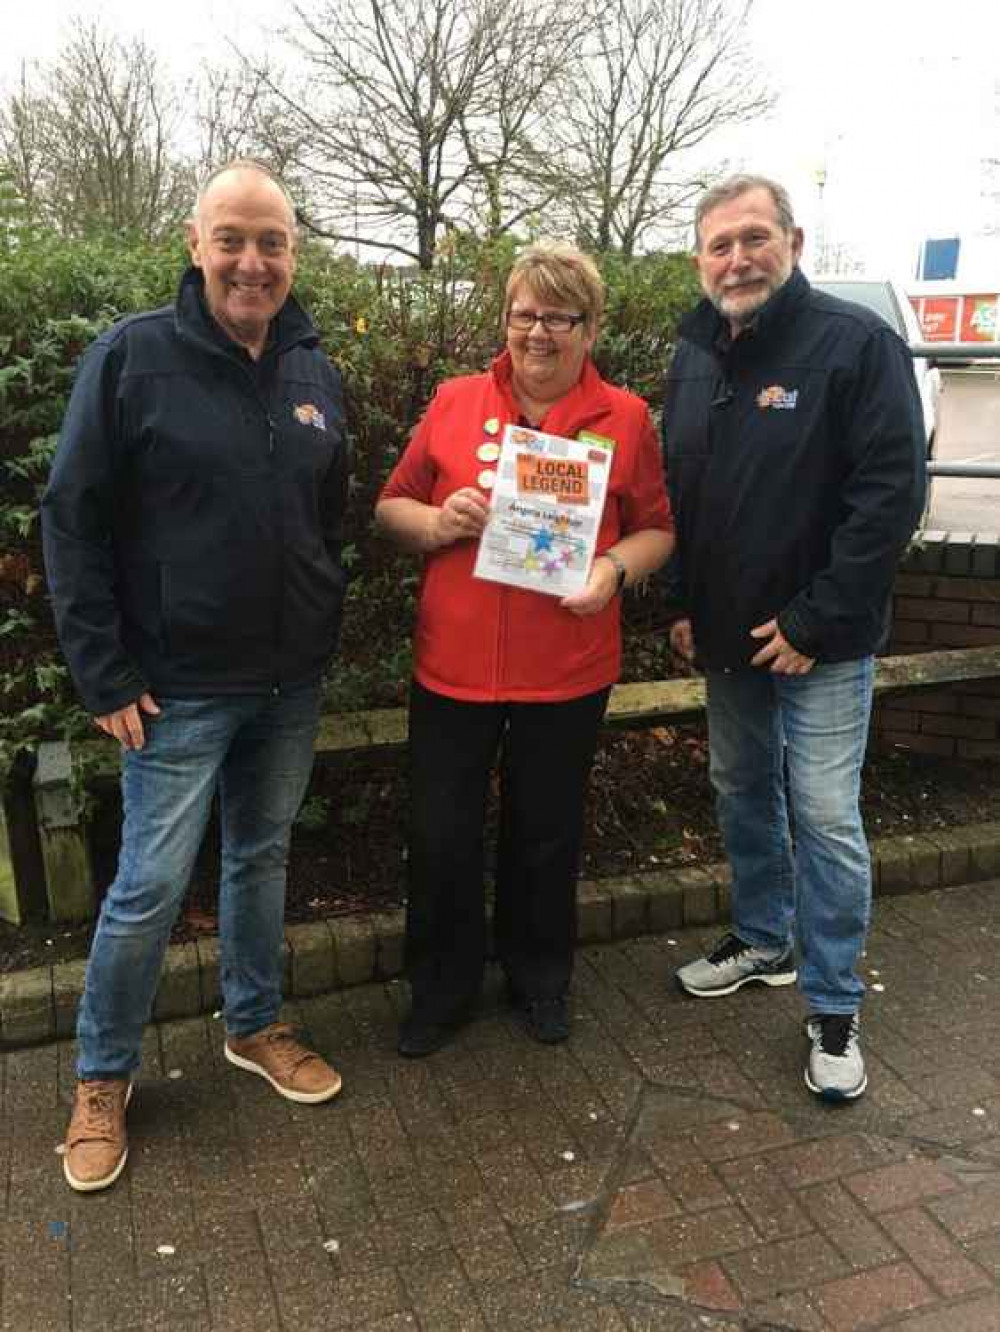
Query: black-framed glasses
553, 321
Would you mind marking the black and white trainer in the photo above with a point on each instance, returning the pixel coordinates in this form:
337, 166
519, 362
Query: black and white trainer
733, 963
835, 1070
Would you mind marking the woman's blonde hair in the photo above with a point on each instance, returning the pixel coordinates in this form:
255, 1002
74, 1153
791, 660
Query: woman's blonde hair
557, 273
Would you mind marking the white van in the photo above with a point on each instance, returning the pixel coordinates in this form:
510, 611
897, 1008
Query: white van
888, 299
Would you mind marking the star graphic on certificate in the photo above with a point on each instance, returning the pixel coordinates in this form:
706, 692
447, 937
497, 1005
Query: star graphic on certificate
530, 563
542, 540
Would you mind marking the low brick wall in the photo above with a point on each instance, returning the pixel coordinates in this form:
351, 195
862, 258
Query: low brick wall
947, 595
40, 1005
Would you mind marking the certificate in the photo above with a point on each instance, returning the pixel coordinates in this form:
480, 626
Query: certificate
545, 510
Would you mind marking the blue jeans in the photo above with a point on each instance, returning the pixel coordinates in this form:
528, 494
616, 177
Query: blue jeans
257, 751
798, 741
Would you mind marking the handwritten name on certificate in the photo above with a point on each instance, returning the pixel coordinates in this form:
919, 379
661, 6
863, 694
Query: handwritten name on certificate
545, 510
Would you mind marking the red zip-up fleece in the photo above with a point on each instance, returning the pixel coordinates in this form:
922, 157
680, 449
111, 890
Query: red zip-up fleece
485, 642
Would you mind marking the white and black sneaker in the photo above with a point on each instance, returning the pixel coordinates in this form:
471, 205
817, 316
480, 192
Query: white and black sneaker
836, 1069
734, 962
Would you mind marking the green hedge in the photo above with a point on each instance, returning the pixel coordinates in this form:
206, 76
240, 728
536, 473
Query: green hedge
394, 337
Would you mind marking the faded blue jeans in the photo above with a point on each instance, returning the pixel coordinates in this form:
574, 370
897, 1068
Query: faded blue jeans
796, 743
257, 751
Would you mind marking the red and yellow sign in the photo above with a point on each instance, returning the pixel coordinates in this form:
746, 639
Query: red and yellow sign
939, 318
979, 319
560, 479
959, 318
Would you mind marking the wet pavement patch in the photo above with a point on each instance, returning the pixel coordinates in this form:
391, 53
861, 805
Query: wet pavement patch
802, 1220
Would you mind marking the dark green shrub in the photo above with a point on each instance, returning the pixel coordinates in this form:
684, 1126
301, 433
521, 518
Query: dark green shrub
395, 337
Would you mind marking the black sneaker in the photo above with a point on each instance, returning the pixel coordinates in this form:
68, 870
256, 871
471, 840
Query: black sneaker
420, 1036
546, 1020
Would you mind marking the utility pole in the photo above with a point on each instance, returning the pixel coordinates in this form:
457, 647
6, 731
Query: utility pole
821, 245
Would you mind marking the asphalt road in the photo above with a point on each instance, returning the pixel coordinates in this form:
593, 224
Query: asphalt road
968, 431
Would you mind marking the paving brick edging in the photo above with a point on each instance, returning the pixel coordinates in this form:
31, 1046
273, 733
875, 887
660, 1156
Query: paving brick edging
39, 1005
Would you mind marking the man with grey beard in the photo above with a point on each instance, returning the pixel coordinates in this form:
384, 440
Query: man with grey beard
794, 453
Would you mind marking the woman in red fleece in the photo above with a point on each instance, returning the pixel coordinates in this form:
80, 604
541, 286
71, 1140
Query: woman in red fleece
501, 670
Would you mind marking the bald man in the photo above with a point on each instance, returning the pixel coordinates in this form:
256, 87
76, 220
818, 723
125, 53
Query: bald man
192, 531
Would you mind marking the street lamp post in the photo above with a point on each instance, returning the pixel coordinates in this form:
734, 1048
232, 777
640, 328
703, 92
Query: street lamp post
821, 220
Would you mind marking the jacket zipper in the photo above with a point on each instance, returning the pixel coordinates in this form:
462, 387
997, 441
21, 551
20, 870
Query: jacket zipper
276, 516
278, 532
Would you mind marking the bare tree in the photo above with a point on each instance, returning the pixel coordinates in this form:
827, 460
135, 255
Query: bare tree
92, 140
659, 78
240, 115
22, 143
12, 210
404, 120
381, 141
415, 118
507, 135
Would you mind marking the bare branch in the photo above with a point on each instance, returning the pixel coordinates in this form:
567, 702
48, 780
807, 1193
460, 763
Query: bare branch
659, 78
91, 140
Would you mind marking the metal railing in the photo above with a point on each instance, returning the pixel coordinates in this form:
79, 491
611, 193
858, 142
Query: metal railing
944, 353
957, 351
991, 471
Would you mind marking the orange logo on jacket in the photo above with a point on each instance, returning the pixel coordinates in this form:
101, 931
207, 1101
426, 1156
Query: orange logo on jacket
307, 414
778, 398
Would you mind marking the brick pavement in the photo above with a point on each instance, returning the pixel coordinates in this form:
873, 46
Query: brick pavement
667, 1170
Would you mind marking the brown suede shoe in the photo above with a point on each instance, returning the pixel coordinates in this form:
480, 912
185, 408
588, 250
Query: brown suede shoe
96, 1145
297, 1073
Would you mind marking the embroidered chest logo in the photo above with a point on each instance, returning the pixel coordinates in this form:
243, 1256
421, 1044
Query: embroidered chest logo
306, 414
778, 398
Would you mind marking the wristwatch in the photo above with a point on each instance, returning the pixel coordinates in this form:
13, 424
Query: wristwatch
621, 569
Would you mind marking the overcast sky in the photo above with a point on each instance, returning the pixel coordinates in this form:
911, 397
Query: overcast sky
896, 102
899, 102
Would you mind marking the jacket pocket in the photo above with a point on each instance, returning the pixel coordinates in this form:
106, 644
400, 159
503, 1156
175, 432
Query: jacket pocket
215, 611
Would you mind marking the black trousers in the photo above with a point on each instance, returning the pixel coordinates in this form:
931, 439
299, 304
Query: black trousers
546, 752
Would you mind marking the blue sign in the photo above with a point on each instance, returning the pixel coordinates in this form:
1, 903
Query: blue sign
938, 258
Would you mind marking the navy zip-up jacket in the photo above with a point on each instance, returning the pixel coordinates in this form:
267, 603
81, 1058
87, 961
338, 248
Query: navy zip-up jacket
795, 461
192, 520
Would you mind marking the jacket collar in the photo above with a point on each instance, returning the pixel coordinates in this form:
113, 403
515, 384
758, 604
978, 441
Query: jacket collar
291, 327
707, 329
587, 399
